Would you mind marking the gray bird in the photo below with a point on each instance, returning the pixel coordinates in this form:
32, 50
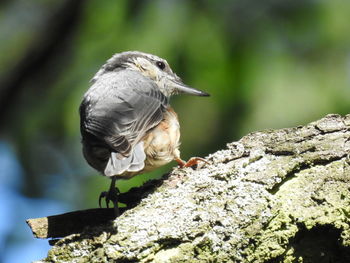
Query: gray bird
126, 122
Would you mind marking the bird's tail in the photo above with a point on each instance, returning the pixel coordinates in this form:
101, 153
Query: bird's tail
118, 164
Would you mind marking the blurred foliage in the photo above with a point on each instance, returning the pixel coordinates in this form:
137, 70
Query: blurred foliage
267, 64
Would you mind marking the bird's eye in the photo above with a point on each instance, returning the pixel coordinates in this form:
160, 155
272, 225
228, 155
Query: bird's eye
160, 64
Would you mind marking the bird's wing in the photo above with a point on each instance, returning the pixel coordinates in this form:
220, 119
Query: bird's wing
118, 110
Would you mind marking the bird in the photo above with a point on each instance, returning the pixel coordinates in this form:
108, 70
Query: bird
126, 122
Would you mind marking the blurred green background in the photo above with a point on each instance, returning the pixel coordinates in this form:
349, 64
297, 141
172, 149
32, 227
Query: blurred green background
267, 64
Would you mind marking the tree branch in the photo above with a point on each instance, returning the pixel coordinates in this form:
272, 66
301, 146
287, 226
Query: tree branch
62, 225
274, 196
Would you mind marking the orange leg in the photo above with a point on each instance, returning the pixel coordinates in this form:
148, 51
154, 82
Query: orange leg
191, 162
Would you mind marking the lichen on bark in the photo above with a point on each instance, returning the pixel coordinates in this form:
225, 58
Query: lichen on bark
274, 196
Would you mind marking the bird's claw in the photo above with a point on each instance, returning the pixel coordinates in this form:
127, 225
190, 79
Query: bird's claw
191, 162
102, 195
110, 196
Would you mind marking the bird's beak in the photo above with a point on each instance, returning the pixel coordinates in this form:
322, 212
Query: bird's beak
183, 88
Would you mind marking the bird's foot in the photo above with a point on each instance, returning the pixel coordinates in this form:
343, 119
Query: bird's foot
191, 162
110, 196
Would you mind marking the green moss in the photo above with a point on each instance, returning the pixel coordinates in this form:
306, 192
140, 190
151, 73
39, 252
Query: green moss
310, 201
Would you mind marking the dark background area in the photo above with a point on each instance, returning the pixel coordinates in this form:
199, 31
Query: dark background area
267, 64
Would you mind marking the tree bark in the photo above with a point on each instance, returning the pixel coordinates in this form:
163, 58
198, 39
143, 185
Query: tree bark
274, 196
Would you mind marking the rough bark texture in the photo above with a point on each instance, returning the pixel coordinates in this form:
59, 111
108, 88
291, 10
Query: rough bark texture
274, 196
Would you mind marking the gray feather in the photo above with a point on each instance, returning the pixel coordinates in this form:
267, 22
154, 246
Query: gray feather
116, 113
118, 164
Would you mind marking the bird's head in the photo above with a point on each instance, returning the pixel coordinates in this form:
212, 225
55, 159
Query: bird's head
153, 67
